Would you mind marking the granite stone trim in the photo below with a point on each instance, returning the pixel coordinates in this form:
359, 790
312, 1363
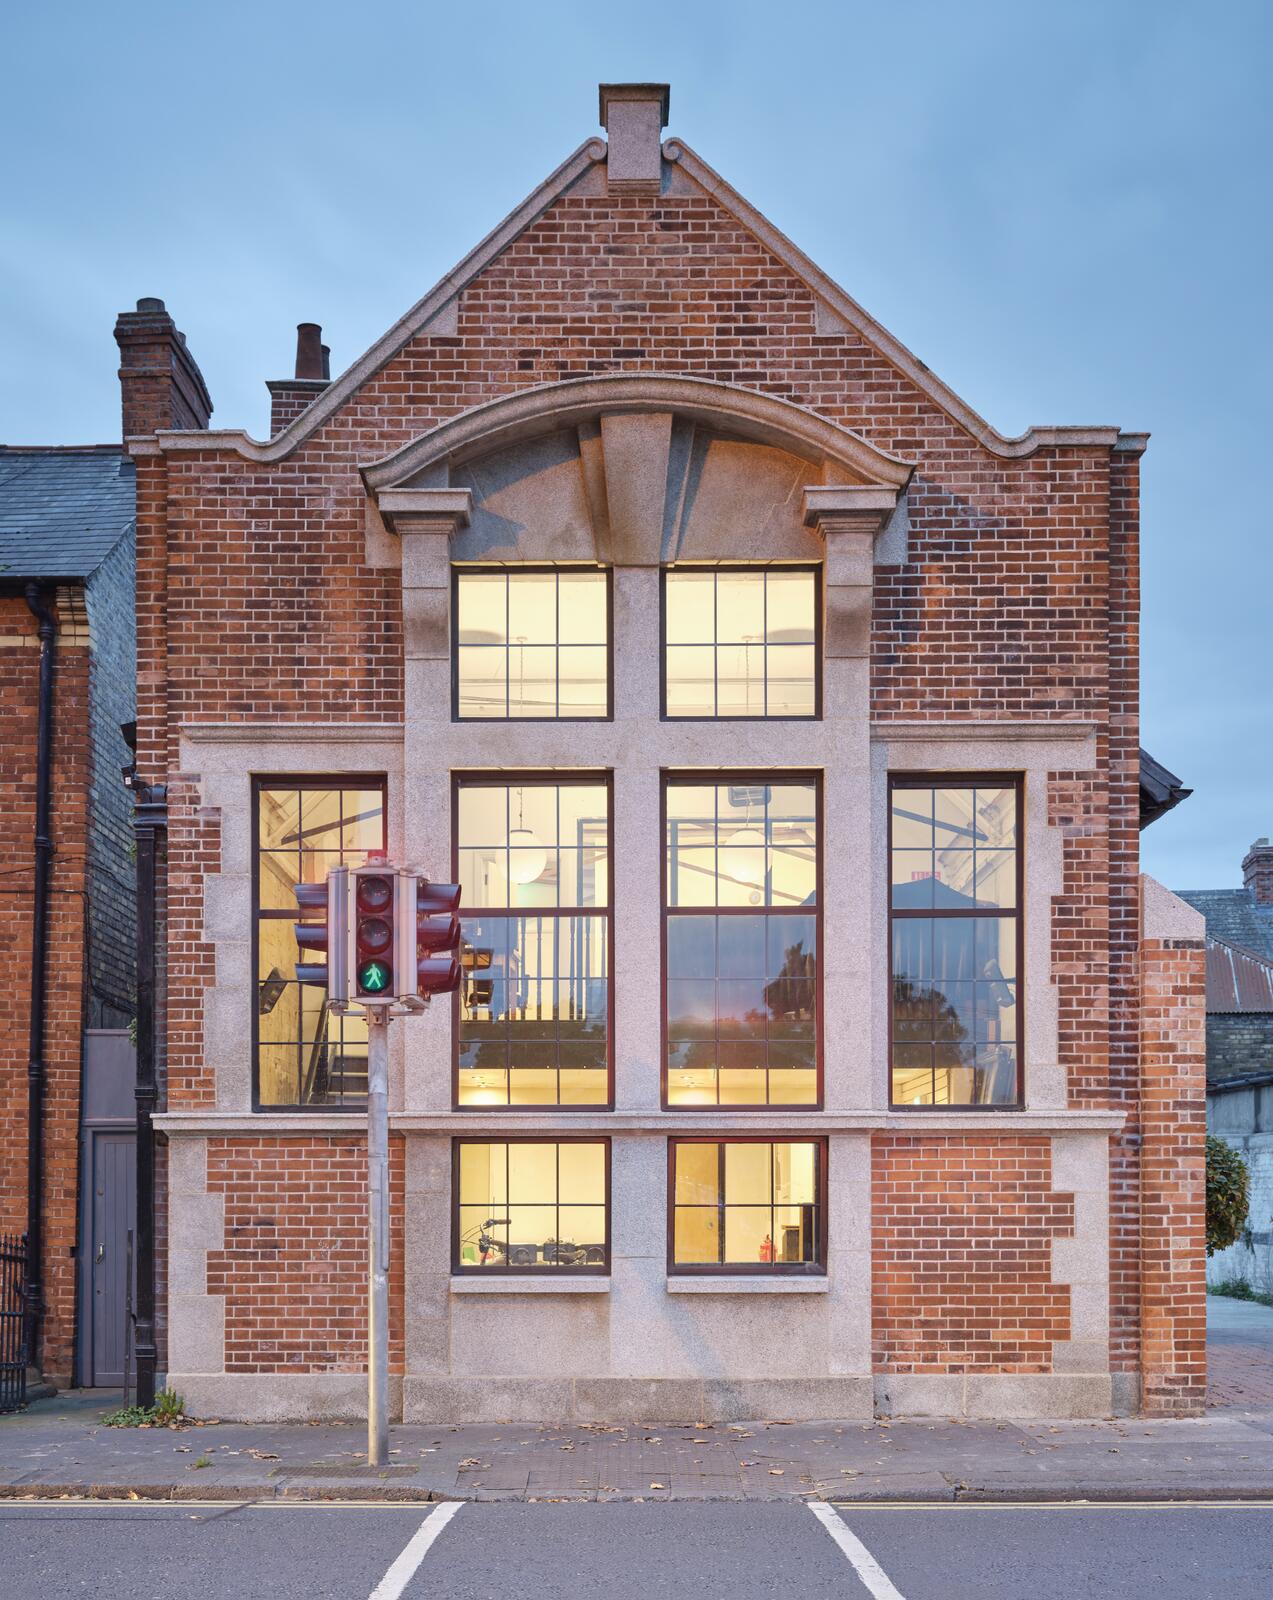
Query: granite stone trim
664, 1400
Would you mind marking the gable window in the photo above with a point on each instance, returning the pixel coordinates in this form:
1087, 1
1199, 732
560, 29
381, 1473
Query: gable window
305, 1055
532, 643
955, 924
528, 1205
747, 1205
533, 864
742, 999
741, 642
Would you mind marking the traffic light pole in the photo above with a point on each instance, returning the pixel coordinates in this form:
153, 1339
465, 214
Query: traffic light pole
378, 1236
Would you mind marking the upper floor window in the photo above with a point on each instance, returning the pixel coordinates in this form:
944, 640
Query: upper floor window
533, 864
741, 908
304, 1054
955, 915
740, 642
532, 643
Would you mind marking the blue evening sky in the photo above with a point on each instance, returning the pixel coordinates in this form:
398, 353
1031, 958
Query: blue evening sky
1062, 209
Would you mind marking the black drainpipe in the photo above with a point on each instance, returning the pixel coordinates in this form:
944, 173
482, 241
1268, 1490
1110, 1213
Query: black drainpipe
33, 1288
150, 822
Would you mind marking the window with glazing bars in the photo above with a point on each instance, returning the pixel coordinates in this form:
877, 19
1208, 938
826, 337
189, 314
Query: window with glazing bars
530, 1205
955, 924
533, 864
532, 643
747, 1205
305, 1056
741, 932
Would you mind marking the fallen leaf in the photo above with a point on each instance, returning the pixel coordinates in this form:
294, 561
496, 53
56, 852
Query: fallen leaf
775, 1472
658, 1486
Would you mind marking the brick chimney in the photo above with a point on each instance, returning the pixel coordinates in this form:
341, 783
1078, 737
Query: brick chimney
160, 380
290, 396
1257, 872
634, 116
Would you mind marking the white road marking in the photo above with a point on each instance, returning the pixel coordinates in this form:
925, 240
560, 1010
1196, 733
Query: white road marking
872, 1574
417, 1547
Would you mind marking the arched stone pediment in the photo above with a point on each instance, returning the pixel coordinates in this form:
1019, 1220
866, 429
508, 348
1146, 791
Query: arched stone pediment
636, 470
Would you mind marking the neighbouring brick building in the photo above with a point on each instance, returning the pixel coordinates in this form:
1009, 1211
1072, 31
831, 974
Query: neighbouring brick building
820, 1048
66, 594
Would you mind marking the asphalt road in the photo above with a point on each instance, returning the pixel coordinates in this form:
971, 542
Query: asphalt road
627, 1551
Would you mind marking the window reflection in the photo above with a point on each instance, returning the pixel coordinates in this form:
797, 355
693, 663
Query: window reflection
533, 864
746, 1205
305, 1055
954, 944
527, 1206
740, 642
741, 987
532, 643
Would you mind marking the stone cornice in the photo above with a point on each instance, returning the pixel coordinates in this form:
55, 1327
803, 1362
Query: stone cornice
292, 732
1009, 732
447, 509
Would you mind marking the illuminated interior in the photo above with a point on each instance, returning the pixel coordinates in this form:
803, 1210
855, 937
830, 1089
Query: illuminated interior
534, 864
305, 1054
741, 943
527, 1206
746, 1204
740, 642
954, 945
532, 644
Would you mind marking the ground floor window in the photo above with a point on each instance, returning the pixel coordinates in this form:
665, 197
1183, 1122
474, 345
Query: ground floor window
747, 1205
527, 1205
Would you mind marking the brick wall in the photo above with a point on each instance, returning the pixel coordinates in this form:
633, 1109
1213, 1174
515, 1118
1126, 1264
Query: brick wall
962, 1264
1173, 1177
294, 1267
19, 676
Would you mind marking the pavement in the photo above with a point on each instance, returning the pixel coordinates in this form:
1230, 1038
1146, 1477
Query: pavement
628, 1551
58, 1448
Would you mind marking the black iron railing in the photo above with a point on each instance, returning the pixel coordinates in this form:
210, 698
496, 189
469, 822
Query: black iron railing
13, 1350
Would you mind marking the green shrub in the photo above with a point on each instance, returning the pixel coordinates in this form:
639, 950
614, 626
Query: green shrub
169, 1410
1228, 1194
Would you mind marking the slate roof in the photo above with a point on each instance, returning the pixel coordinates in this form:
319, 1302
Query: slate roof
62, 508
1232, 915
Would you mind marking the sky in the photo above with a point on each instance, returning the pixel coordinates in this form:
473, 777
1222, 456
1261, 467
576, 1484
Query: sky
1063, 210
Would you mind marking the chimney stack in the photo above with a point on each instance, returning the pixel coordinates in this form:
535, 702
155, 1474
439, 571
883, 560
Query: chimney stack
160, 382
290, 396
1257, 872
634, 116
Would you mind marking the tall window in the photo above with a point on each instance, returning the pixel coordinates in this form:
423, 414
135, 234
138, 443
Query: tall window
956, 941
742, 1003
526, 1205
740, 642
533, 863
305, 1055
745, 1205
532, 643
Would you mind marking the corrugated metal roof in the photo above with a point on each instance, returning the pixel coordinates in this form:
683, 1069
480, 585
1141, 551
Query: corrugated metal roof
62, 508
1237, 979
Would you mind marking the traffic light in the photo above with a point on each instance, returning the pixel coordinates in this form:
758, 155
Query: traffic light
324, 909
374, 904
437, 938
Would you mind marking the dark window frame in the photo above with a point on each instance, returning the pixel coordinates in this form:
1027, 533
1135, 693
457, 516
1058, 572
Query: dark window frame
520, 567
784, 1269
816, 567
724, 776
300, 781
459, 1269
512, 779
962, 780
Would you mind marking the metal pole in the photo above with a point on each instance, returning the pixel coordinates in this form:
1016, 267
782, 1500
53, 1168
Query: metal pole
378, 1236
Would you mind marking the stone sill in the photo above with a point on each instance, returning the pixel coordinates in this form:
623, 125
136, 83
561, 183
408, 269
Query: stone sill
748, 1284
515, 1284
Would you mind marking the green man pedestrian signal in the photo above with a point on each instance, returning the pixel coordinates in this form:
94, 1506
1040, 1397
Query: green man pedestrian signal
324, 930
374, 908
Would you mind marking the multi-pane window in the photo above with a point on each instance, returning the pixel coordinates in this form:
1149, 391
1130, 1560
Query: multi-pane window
747, 1206
306, 1055
533, 864
741, 996
530, 1205
532, 642
740, 642
955, 924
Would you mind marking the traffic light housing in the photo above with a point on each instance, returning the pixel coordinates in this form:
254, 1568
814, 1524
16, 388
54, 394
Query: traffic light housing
373, 917
437, 938
324, 929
